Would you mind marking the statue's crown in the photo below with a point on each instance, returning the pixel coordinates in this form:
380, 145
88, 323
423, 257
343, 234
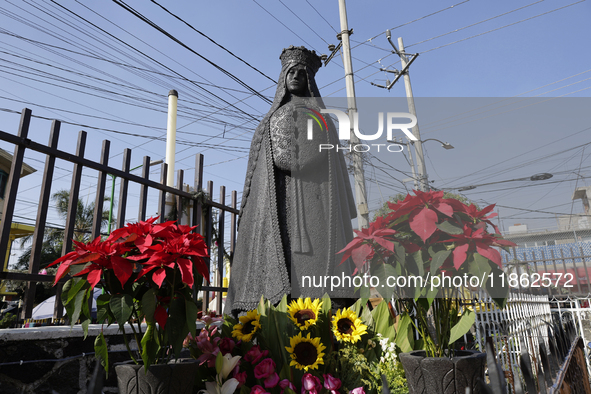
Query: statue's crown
301, 55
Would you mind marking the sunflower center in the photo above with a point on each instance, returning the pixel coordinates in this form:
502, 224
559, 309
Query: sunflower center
247, 327
306, 353
345, 326
303, 315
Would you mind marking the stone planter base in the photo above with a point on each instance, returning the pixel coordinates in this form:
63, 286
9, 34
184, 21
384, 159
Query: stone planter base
173, 378
442, 375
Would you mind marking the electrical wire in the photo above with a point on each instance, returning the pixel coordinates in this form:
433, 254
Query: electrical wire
214, 42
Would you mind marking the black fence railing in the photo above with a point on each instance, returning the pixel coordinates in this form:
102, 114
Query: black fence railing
194, 207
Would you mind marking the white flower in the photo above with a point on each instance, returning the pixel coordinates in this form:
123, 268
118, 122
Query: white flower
228, 365
227, 388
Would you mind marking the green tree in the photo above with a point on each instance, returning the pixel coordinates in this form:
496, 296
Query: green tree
53, 238
384, 209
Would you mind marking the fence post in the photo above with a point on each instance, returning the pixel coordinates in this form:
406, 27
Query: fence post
44, 197
123, 189
13, 180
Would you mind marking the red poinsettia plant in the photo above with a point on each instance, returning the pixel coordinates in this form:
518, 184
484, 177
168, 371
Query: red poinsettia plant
428, 252
149, 273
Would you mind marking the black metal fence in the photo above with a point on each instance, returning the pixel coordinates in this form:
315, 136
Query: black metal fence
201, 212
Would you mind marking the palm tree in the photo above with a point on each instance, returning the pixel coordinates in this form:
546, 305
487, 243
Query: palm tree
53, 237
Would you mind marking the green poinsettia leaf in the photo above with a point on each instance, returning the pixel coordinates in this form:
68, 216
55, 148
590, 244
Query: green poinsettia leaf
75, 307
480, 267
176, 329
103, 312
450, 228
150, 345
463, 326
101, 352
71, 288
383, 272
149, 305
121, 306
438, 260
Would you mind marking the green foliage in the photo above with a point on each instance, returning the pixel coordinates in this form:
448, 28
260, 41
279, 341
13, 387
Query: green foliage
8, 320
394, 374
51, 248
351, 365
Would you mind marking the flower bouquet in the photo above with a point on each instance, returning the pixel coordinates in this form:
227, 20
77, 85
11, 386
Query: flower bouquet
149, 273
427, 252
300, 347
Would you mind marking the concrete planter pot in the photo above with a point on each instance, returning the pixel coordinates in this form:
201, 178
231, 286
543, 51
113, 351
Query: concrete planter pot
442, 375
173, 378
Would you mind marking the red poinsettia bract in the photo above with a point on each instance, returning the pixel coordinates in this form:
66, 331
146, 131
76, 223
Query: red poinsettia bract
154, 247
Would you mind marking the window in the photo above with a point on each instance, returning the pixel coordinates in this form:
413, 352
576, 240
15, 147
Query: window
3, 181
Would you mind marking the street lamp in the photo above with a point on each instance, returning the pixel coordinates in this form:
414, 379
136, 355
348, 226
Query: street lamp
537, 177
113, 177
445, 145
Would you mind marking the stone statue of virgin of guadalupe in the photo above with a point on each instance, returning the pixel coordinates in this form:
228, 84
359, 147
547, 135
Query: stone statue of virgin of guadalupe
297, 203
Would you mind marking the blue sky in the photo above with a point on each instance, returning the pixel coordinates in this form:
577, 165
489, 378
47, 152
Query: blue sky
96, 64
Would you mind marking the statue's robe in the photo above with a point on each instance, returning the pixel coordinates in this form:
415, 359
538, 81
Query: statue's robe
296, 207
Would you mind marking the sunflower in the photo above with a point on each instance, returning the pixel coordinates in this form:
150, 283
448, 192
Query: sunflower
304, 313
306, 353
248, 325
347, 326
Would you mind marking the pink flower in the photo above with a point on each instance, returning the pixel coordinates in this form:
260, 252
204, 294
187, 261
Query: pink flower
258, 390
271, 381
254, 354
311, 384
331, 383
358, 390
241, 378
227, 345
188, 340
264, 369
285, 383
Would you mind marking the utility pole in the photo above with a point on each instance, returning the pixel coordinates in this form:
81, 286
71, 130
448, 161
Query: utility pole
423, 181
360, 193
421, 168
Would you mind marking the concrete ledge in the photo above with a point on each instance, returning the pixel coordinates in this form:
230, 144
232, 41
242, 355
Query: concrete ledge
63, 332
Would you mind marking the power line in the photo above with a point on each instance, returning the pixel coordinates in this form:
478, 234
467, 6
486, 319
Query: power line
284, 25
327, 22
145, 19
475, 24
301, 20
210, 39
502, 27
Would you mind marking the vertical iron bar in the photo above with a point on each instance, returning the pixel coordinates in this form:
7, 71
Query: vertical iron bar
144, 190
13, 180
179, 200
162, 194
123, 189
97, 223
208, 237
71, 219
197, 207
39, 232
220, 241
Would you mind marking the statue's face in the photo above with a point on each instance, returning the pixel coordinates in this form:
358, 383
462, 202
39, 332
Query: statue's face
297, 81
